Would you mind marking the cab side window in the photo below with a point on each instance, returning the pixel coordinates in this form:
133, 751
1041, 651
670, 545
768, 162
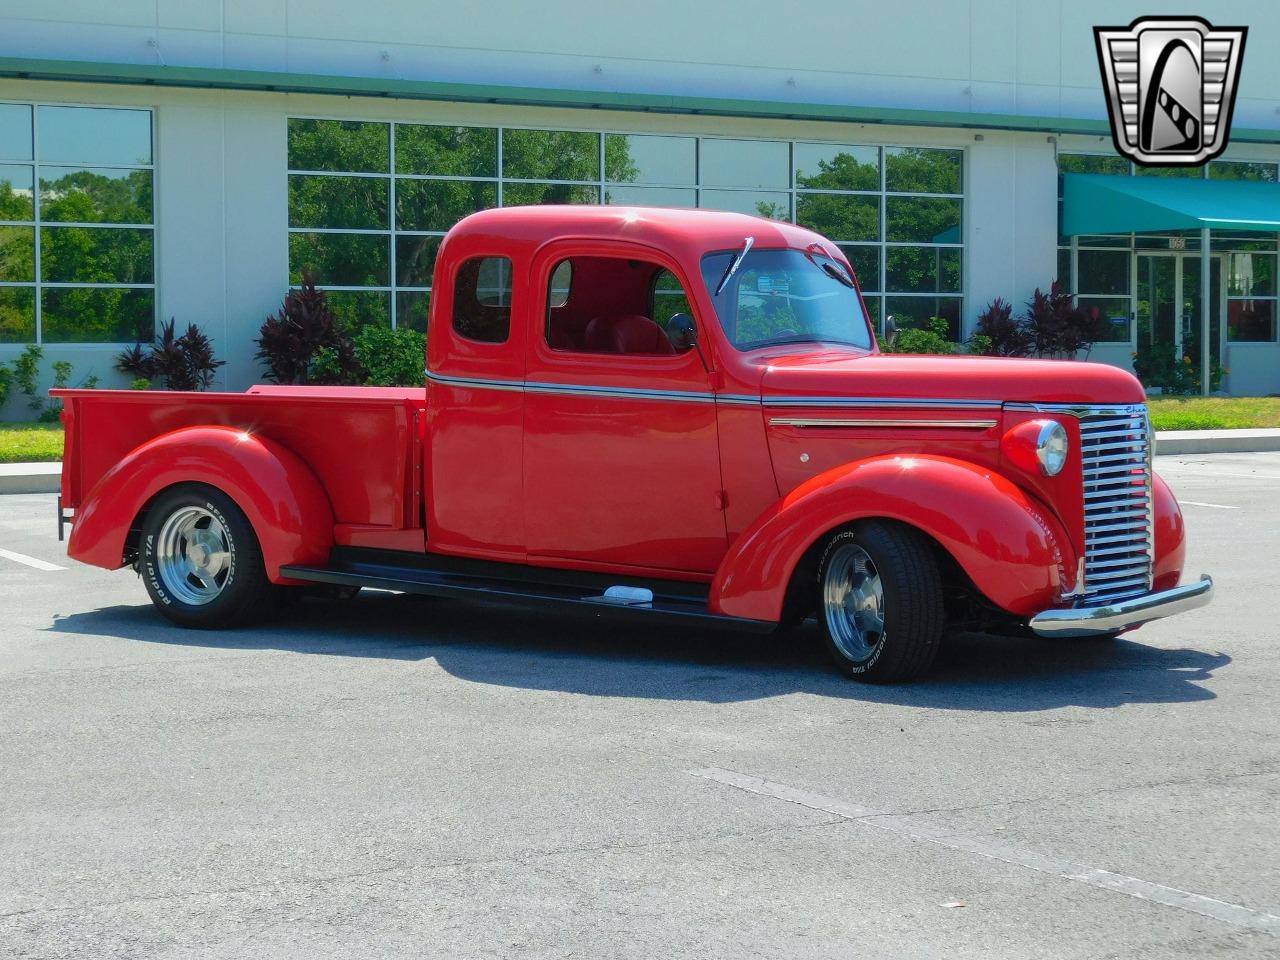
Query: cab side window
613, 305
482, 299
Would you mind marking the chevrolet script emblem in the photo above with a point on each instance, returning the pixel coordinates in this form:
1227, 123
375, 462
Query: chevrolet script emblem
1171, 87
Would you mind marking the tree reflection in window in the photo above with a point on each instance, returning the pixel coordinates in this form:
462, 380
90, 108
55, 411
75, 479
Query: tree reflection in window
84, 197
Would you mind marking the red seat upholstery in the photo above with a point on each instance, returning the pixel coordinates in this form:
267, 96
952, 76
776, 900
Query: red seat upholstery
560, 335
628, 333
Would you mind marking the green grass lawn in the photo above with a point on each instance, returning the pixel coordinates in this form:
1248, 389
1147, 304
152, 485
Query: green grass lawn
30, 442
1214, 413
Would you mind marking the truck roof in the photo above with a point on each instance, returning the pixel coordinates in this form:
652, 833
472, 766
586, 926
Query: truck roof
677, 230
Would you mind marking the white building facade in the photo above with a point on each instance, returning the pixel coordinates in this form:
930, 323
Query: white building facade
192, 160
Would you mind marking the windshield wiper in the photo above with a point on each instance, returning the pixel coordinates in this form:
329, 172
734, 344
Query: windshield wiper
734, 264
836, 273
827, 266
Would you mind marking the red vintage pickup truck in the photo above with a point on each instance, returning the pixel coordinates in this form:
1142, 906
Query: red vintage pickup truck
680, 414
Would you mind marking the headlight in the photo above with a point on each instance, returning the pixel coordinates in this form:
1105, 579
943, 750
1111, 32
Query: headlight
1052, 447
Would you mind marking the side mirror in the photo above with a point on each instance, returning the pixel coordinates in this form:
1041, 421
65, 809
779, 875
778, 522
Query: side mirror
682, 332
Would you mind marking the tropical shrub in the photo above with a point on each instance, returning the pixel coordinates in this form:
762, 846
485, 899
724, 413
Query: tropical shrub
26, 374
932, 338
291, 341
1162, 365
391, 358
182, 362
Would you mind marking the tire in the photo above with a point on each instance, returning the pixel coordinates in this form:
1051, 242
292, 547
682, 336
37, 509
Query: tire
880, 602
201, 561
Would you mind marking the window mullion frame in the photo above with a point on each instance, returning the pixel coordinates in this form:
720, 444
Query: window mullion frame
38, 298
391, 223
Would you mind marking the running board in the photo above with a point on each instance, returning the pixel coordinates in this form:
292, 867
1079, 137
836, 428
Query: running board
689, 610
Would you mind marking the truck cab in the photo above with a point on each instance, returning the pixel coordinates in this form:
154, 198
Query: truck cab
679, 414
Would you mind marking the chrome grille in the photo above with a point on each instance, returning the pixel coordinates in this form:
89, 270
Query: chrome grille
1118, 534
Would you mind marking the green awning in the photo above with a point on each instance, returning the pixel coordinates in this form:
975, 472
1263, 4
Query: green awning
1094, 203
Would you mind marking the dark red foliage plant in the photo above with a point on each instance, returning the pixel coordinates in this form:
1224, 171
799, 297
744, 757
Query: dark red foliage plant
290, 340
1006, 336
185, 362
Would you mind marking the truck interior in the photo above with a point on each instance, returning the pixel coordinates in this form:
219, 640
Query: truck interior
613, 305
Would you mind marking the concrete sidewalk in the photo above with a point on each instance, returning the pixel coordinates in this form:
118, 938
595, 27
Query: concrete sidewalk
45, 477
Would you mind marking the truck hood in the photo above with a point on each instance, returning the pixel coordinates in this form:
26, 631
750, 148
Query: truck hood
848, 375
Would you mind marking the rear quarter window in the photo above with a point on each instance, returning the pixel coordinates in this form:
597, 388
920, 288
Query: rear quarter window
482, 299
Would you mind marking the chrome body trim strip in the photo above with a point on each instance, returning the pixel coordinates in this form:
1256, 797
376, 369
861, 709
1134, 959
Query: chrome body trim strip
896, 422
1123, 614
475, 383
623, 393
880, 403
570, 389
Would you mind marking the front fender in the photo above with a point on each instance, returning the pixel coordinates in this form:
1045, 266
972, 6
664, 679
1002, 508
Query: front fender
1010, 545
275, 488
1170, 537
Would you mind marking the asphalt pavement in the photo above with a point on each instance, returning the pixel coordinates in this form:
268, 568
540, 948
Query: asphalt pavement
398, 777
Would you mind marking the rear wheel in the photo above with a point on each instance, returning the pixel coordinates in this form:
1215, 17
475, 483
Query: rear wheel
880, 602
201, 561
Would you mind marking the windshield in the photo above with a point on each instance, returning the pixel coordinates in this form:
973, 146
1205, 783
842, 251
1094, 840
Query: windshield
785, 296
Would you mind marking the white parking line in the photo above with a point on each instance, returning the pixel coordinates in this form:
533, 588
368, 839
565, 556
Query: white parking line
1197, 503
919, 829
29, 561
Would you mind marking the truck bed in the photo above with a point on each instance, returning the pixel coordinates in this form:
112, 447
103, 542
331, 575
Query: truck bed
363, 443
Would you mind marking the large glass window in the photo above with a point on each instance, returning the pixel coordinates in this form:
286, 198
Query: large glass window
369, 202
897, 214
1251, 297
77, 235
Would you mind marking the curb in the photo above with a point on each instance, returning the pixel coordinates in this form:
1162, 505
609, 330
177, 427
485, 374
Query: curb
1173, 442
30, 477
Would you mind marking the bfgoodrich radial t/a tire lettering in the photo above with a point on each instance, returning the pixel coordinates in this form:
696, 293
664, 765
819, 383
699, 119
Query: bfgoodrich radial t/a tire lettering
200, 559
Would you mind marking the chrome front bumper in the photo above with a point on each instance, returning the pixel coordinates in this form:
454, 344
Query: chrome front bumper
1123, 614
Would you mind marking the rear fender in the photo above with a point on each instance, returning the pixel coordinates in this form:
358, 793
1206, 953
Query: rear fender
275, 488
1007, 542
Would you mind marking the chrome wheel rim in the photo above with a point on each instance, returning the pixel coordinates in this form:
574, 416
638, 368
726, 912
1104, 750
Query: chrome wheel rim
853, 602
193, 555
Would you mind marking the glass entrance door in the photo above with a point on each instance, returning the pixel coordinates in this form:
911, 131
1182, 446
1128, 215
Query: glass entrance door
1168, 315
1191, 313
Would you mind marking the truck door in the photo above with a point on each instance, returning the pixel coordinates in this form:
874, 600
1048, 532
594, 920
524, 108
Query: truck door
475, 404
621, 460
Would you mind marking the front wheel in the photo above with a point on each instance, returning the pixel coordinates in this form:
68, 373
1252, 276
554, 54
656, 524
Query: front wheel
200, 559
880, 601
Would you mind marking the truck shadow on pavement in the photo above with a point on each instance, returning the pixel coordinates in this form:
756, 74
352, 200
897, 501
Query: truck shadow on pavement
615, 657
